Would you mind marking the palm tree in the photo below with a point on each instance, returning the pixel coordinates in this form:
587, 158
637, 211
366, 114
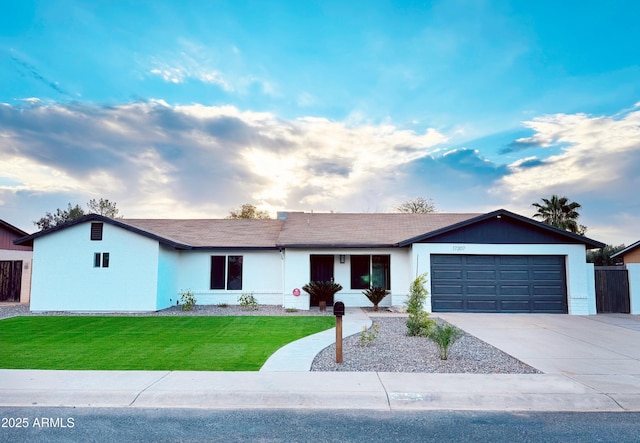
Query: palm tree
559, 212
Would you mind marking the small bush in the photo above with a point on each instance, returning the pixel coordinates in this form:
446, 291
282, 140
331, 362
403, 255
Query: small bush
444, 336
367, 336
223, 305
375, 294
248, 302
291, 310
187, 300
418, 324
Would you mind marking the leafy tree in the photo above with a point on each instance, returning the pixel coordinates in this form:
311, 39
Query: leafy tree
602, 257
419, 205
60, 216
103, 207
248, 211
561, 213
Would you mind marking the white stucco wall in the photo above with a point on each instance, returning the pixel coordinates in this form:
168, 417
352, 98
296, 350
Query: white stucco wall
261, 275
298, 273
634, 287
168, 270
579, 295
26, 257
64, 277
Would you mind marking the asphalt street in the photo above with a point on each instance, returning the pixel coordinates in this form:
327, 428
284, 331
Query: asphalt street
191, 425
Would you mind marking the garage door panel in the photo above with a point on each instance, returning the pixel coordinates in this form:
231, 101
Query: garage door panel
479, 260
549, 306
482, 305
491, 283
515, 290
512, 260
547, 290
522, 275
447, 289
447, 259
481, 289
553, 275
447, 274
446, 305
481, 275
515, 306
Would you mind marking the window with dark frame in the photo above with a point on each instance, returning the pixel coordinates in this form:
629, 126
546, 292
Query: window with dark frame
234, 272
370, 270
100, 259
96, 231
217, 272
226, 272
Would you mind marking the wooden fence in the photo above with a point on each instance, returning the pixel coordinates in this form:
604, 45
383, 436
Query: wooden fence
10, 280
612, 289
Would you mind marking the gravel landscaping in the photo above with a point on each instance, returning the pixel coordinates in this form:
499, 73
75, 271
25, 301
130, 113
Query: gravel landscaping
391, 351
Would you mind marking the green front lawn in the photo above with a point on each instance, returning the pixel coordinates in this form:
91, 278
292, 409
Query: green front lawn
149, 343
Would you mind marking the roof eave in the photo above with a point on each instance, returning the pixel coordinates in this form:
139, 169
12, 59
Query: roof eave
28, 240
499, 213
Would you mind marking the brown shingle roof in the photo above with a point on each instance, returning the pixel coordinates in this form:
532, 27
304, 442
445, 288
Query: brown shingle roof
311, 229
221, 233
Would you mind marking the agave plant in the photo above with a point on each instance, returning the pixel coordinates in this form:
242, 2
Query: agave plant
323, 291
375, 294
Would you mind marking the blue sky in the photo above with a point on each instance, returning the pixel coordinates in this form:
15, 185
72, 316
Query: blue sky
191, 108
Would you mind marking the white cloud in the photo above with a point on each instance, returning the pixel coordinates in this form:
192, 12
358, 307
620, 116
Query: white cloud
199, 157
597, 167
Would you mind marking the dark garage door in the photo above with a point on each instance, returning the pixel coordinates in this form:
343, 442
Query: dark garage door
498, 283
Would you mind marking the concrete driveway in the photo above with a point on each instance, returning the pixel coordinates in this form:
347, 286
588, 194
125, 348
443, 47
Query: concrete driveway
600, 351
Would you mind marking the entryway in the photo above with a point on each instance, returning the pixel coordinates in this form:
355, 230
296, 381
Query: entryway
321, 270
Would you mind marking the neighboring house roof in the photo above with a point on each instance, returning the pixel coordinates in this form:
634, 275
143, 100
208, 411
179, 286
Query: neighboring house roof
313, 230
626, 250
17, 231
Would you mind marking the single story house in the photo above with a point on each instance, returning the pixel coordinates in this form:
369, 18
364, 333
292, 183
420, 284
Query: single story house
493, 262
15, 265
630, 254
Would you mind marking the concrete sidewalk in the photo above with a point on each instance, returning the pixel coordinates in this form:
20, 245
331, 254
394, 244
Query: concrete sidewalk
590, 364
301, 390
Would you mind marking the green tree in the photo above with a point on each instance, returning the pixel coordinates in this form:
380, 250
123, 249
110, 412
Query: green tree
248, 211
60, 216
103, 207
418, 205
561, 213
602, 257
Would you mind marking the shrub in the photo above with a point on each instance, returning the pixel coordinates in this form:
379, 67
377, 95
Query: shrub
367, 336
444, 336
375, 294
418, 323
248, 302
322, 290
188, 300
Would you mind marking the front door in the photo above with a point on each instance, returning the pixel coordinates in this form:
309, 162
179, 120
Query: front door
321, 270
